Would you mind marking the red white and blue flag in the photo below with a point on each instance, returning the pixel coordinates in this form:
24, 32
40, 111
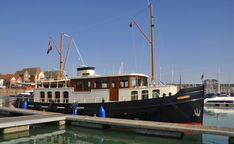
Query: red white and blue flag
49, 47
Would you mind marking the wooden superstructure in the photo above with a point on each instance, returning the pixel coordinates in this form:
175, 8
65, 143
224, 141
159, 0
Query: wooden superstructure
112, 83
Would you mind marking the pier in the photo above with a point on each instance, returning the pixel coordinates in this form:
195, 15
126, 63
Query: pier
22, 123
148, 127
31, 117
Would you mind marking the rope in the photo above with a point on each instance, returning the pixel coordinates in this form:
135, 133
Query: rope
134, 48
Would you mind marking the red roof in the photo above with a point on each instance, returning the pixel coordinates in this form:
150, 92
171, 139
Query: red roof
9, 76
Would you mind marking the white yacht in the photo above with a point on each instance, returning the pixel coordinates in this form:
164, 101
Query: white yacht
221, 100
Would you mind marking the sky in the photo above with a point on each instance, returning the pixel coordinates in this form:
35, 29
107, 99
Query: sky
192, 37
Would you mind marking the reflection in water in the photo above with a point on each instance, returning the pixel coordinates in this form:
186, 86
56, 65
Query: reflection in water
216, 116
70, 134
226, 111
222, 117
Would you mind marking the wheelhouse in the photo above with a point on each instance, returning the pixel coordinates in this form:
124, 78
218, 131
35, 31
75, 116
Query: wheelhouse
111, 83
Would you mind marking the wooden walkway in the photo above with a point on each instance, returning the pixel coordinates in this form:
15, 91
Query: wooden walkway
31, 117
146, 127
138, 124
29, 120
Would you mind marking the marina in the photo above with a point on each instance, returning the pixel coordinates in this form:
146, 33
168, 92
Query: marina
172, 85
124, 95
22, 123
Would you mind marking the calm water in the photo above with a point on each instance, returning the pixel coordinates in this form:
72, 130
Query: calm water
71, 134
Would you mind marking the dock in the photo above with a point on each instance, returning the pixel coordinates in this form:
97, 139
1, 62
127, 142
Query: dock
137, 126
31, 117
153, 126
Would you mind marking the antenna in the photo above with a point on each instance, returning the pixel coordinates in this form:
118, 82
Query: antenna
160, 74
218, 79
121, 68
172, 73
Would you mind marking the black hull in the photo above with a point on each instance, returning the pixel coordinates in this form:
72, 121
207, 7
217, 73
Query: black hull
184, 107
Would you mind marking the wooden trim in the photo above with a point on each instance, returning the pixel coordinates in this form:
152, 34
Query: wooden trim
110, 82
91, 84
129, 82
82, 83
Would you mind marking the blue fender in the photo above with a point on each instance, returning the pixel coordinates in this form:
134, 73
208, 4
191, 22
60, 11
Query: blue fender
102, 112
25, 105
74, 108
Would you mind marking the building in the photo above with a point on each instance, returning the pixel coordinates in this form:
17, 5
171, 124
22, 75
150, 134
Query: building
10, 80
1, 82
51, 75
211, 86
31, 75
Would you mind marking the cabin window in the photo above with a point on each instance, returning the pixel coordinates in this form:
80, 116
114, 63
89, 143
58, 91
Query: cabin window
79, 86
42, 95
113, 84
155, 94
134, 95
142, 82
124, 82
105, 83
57, 97
133, 81
145, 94
49, 96
97, 84
65, 97
87, 85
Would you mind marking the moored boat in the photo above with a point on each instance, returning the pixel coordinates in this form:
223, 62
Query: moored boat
121, 96
220, 100
129, 96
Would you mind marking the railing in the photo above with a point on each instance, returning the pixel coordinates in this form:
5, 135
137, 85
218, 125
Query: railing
56, 100
26, 99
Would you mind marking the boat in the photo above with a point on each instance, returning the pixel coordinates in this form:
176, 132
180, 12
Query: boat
219, 110
130, 96
219, 100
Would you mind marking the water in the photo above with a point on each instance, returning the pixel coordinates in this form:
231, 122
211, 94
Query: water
72, 134
218, 117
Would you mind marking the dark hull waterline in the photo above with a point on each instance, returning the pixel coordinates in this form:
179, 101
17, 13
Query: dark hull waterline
166, 109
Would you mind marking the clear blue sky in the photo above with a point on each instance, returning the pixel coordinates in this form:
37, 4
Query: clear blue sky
193, 36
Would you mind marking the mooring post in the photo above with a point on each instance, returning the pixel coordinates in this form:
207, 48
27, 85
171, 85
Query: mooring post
63, 122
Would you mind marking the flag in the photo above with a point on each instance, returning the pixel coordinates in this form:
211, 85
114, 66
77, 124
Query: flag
49, 47
130, 25
202, 76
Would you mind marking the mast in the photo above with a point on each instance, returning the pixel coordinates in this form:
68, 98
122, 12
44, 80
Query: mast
61, 57
151, 41
152, 38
